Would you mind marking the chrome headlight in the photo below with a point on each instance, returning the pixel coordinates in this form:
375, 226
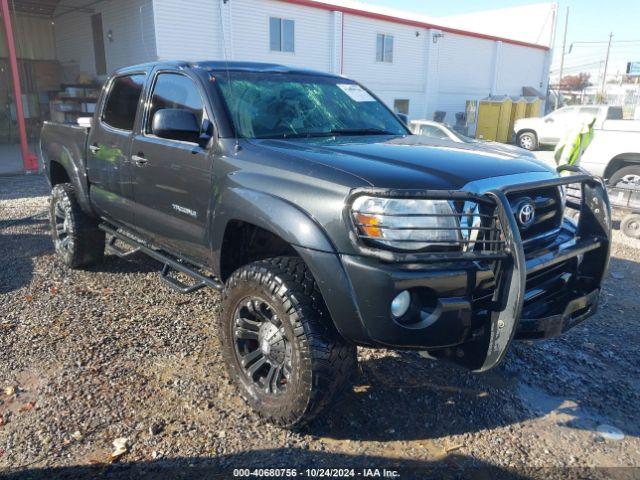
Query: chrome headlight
406, 224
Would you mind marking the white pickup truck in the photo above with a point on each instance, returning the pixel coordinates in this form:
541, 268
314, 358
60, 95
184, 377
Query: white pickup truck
614, 152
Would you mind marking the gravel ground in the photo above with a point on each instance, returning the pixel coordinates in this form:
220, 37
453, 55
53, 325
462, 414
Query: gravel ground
90, 356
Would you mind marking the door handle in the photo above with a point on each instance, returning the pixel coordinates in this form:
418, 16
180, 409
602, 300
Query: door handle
94, 149
140, 161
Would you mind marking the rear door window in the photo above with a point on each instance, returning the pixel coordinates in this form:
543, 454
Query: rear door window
122, 103
614, 113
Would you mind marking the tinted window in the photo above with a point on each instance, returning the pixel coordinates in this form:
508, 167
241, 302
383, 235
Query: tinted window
121, 105
172, 90
614, 113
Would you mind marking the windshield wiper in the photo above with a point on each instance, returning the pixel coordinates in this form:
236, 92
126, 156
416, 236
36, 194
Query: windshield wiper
361, 131
285, 136
330, 133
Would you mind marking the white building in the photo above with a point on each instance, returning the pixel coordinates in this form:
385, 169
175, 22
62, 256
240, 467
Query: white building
427, 66
416, 64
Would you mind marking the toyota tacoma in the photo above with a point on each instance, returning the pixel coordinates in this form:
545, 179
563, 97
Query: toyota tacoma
324, 222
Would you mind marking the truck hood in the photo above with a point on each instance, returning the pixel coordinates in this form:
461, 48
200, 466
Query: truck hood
409, 162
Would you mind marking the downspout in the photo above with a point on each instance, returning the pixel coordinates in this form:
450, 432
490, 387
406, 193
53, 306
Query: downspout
29, 160
342, 45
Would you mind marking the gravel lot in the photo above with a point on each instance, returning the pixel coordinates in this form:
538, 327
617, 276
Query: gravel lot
90, 356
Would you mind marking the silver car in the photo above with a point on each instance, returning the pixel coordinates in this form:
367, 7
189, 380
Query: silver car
443, 131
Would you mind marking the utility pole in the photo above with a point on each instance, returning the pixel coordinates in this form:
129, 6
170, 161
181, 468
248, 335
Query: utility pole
606, 64
564, 44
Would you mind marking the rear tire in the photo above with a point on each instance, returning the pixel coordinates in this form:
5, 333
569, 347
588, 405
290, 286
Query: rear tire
279, 343
76, 238
527, 140
627, 176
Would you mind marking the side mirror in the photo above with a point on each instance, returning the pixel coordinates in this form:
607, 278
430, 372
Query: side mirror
176, 124
403, 118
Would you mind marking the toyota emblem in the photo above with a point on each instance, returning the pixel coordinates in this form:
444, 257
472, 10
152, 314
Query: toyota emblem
526, 213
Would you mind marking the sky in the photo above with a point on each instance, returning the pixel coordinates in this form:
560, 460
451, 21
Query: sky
589, 21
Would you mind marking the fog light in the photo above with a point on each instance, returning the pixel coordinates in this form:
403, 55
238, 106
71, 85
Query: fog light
401, 304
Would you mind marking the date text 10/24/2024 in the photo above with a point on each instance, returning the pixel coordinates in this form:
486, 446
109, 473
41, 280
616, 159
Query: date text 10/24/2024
315, 473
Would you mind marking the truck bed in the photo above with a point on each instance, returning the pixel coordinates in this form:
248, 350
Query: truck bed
54, 133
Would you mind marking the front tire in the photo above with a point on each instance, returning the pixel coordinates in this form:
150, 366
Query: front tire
627, 177
527, 140
279, 343
76, 238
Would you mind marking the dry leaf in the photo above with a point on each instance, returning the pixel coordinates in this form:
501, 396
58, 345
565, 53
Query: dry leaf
453, 448
361, 388
121, 446
53, 290
29, 298
27, 406
9, 391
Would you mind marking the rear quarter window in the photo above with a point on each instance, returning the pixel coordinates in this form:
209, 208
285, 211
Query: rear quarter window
122, 102
614, 113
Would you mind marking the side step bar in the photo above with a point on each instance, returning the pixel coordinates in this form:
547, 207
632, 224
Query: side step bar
170, 263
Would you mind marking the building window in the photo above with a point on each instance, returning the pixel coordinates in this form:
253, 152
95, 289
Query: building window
281, 33
401, 106
384, 48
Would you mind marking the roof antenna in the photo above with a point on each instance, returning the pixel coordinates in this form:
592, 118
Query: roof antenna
237, 147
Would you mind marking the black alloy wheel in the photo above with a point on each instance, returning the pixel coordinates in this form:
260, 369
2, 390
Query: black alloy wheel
261, 345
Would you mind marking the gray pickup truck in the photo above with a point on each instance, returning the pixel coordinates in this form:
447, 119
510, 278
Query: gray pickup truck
325, 223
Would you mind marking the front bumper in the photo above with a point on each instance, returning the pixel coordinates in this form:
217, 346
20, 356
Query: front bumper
470, 309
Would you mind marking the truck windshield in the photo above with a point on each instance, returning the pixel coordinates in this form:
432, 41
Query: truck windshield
286, 105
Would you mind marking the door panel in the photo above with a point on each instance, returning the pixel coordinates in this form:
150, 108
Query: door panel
108, 165
172, 178
172, 193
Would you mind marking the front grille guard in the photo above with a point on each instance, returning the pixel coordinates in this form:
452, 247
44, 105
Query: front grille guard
594, 222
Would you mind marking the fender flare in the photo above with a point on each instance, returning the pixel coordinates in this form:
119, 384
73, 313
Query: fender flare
271, 213
72, 164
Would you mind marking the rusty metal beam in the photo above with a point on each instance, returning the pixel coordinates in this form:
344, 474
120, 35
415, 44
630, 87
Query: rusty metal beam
29, 160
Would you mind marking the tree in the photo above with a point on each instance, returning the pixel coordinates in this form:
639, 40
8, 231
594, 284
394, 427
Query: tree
576, 82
